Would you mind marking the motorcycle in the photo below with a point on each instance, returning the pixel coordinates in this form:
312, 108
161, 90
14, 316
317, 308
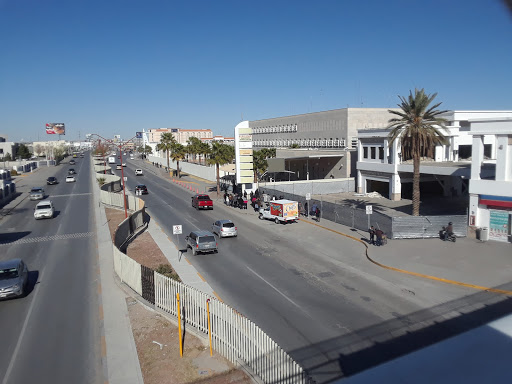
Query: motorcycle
447, 237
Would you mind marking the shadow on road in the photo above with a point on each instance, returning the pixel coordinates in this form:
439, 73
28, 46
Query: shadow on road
7, 238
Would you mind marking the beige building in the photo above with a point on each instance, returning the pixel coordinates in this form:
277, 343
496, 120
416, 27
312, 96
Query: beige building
181, 135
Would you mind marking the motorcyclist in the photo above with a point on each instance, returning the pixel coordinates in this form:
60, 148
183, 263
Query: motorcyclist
448, 232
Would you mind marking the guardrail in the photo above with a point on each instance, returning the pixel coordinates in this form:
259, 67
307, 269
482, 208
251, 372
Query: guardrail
234, 336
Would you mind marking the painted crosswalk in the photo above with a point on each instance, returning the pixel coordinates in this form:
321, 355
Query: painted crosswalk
40, 239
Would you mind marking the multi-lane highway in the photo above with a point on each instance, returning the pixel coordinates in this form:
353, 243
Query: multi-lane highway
311, 290
53, 334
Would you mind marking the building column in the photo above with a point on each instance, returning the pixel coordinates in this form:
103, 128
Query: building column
386, 151
474, 218
360, 185
477, 156
501, 158
395, 188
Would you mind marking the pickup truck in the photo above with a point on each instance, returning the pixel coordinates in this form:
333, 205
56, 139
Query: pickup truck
202, 202
281, 211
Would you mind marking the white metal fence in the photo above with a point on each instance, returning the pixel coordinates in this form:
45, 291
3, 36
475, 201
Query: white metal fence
235, 337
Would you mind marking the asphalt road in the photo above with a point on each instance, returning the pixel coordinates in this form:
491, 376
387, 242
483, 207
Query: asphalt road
53, 334
311, 290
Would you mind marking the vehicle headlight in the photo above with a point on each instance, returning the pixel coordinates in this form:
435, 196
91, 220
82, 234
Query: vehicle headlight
15, 287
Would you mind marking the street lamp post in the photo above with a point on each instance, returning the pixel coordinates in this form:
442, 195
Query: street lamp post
120, 147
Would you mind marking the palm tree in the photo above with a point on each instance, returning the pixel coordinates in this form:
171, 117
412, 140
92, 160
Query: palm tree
178, 153
167, 141
193, 146
204, 149
220, 154
259, 161
417, 129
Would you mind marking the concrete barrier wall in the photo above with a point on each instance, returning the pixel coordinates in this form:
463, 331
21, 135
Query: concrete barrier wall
128, 270
314, 187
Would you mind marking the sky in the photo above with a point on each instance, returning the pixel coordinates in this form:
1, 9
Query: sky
119, 66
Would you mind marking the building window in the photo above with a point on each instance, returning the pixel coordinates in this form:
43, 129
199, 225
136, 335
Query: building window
372, 152
354, 142
381, 153
365, 152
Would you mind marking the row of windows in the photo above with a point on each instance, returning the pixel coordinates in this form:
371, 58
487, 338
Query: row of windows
323, 143
372, 153
275, 129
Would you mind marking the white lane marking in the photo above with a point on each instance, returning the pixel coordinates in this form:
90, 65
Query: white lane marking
40, 239
72, 194
278, 291
35, 291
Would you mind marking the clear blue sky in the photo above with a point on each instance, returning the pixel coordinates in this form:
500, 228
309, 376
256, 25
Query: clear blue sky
118, 66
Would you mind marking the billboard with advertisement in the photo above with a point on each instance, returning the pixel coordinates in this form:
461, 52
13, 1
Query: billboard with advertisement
55, 128
499, 225
138, 135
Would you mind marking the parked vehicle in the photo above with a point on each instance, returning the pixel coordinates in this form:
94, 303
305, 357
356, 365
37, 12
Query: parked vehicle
138, 172
70, 179
13, 278
224, 228
44, 210
52, 180
37, 193
141, 189
202, 242
111, 160
202, 201
281, 211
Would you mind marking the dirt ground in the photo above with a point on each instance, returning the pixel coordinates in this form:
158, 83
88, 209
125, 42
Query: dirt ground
157, 339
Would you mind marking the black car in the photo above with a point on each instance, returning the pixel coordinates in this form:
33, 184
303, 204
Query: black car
52, 180
71, 171
141, 189
72, 162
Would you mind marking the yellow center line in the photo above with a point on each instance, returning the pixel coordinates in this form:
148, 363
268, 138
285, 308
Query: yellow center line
202, 278
448, 281
217, 296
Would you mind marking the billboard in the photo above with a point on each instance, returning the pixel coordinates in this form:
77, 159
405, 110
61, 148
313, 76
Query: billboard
138, 135
55, 128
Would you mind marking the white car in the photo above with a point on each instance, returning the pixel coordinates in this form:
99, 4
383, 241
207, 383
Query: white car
119, 167
124, 164
70, 179
44, 210
138, 172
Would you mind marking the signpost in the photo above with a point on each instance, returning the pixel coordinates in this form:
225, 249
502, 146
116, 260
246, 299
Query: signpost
369, 211
308, 196
177, 230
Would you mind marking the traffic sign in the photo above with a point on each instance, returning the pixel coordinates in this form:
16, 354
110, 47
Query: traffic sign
308, 196
176, 230
369, 210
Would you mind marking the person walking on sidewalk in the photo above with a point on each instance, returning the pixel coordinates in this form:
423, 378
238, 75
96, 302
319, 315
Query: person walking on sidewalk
317, 214
379, 234
306, 207
371, 231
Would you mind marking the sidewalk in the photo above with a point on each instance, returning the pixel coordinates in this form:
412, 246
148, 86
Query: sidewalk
118, 349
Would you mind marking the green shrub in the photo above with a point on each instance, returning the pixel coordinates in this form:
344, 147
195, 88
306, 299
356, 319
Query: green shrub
101, 180
167, 270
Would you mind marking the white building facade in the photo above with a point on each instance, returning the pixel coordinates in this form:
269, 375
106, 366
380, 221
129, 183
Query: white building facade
490, 198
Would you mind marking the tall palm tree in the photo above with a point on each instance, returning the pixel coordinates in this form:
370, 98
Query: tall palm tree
178, 153
417, 129
259, 161
167, 141
220, 154
204, 149
193, 146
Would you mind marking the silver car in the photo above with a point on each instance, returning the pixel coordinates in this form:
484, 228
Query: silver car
13, 278
224, 228
37, 193
202, 242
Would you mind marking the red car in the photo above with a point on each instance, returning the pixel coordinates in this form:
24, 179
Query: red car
202, 202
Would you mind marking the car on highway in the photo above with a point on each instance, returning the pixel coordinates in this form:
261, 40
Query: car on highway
52, 180
141, 189
72, 162
71, 171
124, 164
202, 201
224, 228
202, 242
138, 172
13, 278
119, 167
44, 210
37, 193
70, 179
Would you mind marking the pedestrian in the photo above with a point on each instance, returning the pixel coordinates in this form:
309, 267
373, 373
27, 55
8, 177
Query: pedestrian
245, 194
226, 198
251, 195
306, 212
378, 234
317, 214
371, 231
230, 200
